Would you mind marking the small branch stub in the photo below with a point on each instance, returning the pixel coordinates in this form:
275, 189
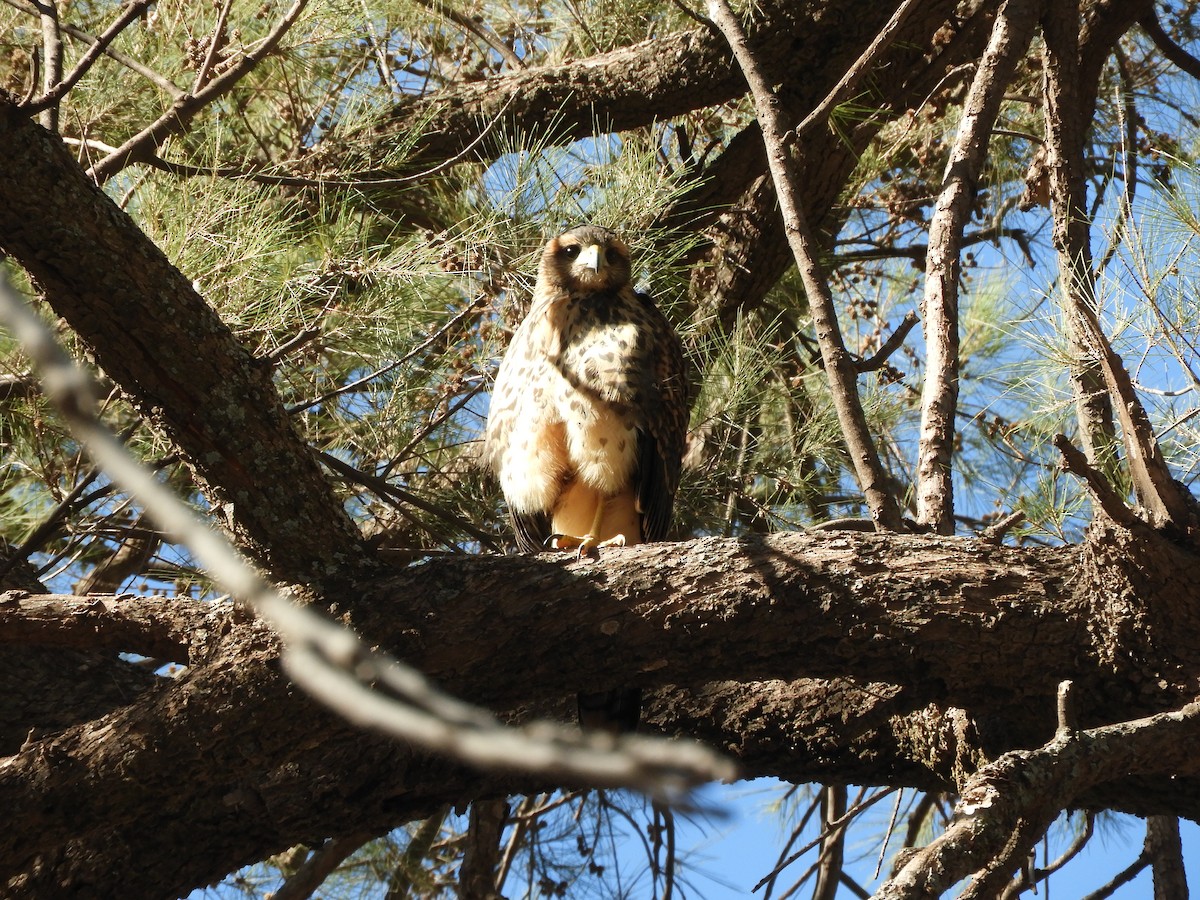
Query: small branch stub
1066, 710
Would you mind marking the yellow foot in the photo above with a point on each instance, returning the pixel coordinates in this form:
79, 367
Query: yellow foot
586, 544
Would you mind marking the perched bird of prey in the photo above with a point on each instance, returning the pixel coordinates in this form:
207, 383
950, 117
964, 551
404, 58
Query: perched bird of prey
589, 411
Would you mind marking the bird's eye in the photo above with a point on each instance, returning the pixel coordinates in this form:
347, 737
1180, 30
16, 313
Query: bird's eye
570, 251
612, 254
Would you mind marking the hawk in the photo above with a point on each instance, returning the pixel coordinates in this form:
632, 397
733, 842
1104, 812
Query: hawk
589, 412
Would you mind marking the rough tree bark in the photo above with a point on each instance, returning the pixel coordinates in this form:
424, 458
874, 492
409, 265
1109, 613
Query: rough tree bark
903, 619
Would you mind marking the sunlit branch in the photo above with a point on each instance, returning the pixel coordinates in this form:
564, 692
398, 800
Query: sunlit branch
186, 107
1010, 36
128, 62
839, 365
1153, 485
52, 62
99, 46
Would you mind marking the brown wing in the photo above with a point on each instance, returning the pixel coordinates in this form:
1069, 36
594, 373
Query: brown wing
665, 413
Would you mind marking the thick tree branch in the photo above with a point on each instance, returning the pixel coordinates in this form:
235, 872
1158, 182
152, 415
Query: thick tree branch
638, 85
1066, 123
162, 628
909, 616
329, 661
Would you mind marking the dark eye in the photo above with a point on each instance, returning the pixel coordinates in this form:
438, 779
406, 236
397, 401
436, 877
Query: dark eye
612, 254
570, 251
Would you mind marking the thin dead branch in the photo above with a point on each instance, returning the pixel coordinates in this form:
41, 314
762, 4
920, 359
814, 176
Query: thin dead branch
1010, 37
186, 107
891, 345
839, 365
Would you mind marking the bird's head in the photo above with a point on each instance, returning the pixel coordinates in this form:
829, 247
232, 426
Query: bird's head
586, 258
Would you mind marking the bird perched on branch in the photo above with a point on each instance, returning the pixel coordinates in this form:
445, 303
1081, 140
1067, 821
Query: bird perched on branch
589, 415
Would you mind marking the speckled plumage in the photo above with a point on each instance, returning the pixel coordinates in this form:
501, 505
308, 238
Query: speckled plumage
590, 401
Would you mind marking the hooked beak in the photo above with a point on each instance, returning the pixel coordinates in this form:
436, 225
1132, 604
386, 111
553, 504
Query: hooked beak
590, 258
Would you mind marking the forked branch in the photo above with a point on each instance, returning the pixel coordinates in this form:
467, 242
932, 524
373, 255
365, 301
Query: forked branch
1008, 804
1097, 369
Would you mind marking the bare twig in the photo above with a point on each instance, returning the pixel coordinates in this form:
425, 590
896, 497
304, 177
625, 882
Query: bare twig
996, 532
368, 688
185, 108
839, 365
887, 834
1129, 119
829, 869
830, 827
49, 525
526, 813
406, 872
1010, 36
99, 46
1061, 168
890, 346
390, 491
128, 62
1066, 710
1121, 879
470, 309
860, 68
215, 44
